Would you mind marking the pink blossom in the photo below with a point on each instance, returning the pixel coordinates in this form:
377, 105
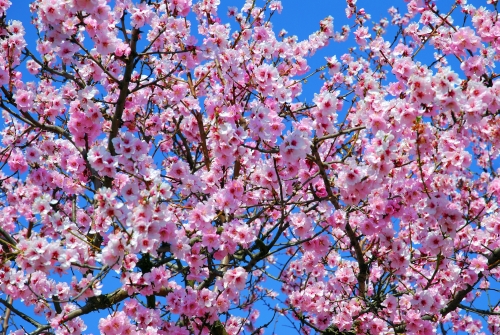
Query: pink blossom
464, 39
235, 278
24, 100
17, 162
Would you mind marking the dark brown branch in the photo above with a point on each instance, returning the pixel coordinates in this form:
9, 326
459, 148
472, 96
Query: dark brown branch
477, 311
23, 316
203, 137
93, 304
363, 267
124, 91
493, 261
201, 127
340, 133
7, 236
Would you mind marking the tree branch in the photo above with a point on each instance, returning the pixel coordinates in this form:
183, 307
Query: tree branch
6, 317
23, 316
363, 267
493, 261
124, 91
93, 304
477, 311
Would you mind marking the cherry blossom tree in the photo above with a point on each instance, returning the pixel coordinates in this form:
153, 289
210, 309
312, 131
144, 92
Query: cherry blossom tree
160, 167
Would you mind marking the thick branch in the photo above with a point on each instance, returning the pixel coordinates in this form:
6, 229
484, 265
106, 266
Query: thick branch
363, 267
493, 261
23, 316
201, 127
7, 236
93, 304
124, 91
203, 137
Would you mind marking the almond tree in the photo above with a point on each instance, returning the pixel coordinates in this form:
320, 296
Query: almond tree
159, 166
